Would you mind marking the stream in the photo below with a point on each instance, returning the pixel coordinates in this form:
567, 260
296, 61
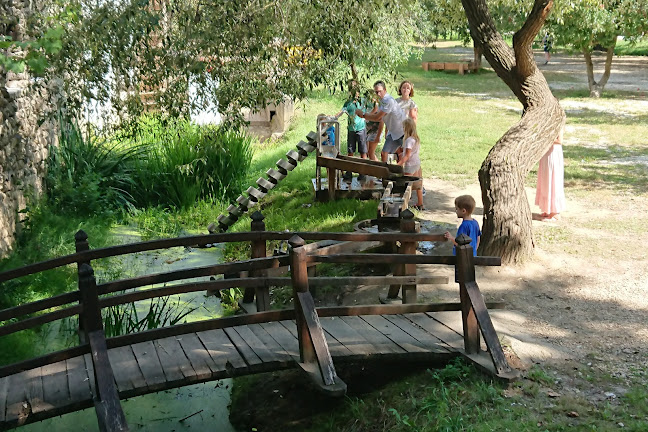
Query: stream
195, 407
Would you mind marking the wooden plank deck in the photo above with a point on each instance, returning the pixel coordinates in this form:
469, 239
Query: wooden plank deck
215, 354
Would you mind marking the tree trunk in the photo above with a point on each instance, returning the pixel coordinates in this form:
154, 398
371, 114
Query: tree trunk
477, 55
596, 88
507, 215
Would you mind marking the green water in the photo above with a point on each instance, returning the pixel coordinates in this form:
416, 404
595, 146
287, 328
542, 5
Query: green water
162, 411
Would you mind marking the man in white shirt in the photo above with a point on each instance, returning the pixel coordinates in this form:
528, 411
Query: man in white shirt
392, 115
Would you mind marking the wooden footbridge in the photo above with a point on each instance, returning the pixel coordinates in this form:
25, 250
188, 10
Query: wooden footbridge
99, 371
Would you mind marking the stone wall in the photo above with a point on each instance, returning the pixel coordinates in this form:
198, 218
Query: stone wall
24, 140
24, 135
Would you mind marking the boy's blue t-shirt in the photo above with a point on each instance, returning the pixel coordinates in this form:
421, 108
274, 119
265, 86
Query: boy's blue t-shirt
471, 229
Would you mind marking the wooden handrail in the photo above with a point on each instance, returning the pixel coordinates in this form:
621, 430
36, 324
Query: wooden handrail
39, 320
43, 360
371, 258
200, 240
212, 270
39, 305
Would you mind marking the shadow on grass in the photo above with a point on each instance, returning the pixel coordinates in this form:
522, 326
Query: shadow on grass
599, 117
613, 168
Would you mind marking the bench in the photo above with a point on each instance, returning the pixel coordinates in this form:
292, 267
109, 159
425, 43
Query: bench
462, 67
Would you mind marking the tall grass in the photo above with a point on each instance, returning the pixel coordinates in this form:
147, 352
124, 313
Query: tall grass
90, 175
186, 163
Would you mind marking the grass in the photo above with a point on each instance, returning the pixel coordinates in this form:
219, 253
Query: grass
624, 47
457, 398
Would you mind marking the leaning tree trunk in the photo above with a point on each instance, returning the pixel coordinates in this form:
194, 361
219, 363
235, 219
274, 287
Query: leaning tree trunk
507, 215
596, 88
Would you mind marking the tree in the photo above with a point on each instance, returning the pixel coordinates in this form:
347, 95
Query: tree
590, 24
507, 215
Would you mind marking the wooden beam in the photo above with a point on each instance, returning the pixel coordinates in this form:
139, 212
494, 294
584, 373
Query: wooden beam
398, 169
36, 362
332, 384
110, 415
487, 329
216, 269
39, 320
395, 309
370, 258
359, 167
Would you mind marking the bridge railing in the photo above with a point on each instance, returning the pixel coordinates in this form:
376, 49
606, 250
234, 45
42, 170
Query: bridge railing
404, 275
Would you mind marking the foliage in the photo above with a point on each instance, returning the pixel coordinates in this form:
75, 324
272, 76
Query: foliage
47, 233
187, 163
230, 300
235, 54
31, 53
585, 25
90, 175
445, 17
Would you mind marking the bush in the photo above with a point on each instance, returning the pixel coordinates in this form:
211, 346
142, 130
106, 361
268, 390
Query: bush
187, 163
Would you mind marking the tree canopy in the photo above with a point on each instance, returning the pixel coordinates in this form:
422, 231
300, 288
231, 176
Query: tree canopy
238, 54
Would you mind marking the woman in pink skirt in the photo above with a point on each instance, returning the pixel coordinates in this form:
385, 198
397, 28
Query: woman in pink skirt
550, 191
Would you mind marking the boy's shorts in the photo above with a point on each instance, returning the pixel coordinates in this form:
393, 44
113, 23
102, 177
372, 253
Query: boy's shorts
391, 145
359, 138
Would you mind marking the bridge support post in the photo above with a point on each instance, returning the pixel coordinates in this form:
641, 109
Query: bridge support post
465, 273
407, 225
475, 314
110, 415
81, 244
316, 360
261, 293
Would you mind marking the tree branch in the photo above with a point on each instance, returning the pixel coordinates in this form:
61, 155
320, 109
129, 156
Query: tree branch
523, 38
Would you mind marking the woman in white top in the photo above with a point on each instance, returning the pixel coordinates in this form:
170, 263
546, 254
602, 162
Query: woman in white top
405, 101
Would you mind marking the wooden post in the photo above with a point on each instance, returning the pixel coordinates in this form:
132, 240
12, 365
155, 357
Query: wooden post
409, 225
331, 174
465, 273
110, 415
262, 293
81, 244
299, 277
91, 317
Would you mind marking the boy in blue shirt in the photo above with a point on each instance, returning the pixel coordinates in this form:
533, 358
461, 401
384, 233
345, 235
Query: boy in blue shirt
464, 207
